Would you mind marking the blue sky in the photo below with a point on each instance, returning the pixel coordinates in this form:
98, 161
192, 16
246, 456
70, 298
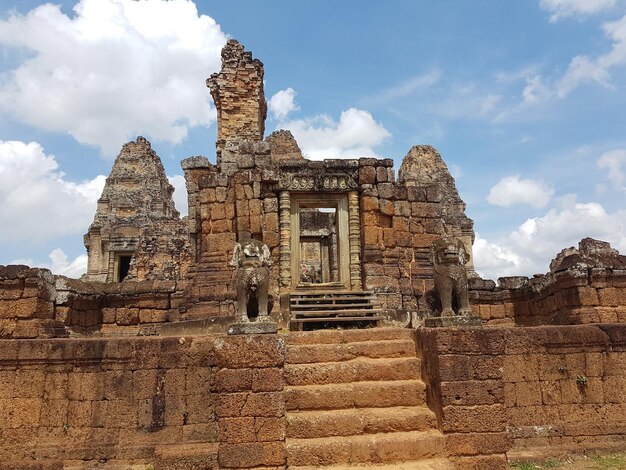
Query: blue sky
524, 100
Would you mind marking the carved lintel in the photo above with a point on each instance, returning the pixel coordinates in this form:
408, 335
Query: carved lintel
319, 181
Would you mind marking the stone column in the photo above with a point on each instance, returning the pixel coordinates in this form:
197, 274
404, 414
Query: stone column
355, 241
285, 238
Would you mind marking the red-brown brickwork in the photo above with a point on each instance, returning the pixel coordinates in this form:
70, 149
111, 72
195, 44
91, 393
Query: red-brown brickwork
584, 286
239, 98
508, 388
27, 303
166, 401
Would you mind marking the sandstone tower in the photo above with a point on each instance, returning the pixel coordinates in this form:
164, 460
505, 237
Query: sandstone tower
239, 99
137, 196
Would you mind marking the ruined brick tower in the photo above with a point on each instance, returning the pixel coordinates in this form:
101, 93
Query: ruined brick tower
136, 197
239, 99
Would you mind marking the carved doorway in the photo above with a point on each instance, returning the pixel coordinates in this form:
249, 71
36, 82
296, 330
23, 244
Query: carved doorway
320, 251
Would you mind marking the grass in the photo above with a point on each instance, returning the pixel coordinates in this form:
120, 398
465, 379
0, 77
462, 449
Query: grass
524, 466
549, 463
609, 462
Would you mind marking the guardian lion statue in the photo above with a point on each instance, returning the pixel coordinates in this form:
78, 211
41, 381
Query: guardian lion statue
252, 260
449, 258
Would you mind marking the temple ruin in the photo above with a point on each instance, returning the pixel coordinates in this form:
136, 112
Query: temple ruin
149, 359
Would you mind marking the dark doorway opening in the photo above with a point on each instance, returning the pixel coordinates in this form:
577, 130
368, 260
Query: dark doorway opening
123, 267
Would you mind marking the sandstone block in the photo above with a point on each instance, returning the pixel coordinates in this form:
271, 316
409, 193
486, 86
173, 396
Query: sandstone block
236, 430
381, 174
267, 380
202, 433
472, 392
267, 404
270, 429
483, 418
367, 175
255, 454
233, 380
477, 443
236, 352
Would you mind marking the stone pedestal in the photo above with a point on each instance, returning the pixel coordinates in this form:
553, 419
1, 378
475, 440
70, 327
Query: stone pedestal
453, 321
253, 328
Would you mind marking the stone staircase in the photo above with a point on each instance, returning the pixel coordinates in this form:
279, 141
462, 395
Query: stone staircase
324, 306
355, 399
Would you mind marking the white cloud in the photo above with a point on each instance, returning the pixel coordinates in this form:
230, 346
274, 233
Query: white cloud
465, 101
353, 136
492, 260
115, 69
37, 202
613, 162
535, 91
407, 87
180, 193
566, 8
581, 70
59, 264
530, 247
515, 190
282, 103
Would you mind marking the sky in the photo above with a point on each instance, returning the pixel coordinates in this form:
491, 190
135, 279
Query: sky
524, 100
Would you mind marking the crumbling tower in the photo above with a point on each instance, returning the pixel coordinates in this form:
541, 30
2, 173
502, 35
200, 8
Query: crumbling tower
136, 196
239, 98
423, 169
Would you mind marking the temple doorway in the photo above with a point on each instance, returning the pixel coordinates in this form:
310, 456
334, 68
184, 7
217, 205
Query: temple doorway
319, 241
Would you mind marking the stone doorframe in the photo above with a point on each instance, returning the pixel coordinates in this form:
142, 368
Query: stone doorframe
348, 230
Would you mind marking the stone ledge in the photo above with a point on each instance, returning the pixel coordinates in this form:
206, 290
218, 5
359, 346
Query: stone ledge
252, 328
455, 321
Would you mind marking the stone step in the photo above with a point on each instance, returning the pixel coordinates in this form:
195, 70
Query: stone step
371, 448
355, 421
348, 336
429, 464
357, 370
310, 353
355, 395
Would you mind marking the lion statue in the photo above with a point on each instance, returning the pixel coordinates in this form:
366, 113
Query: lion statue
449, 258
252, 260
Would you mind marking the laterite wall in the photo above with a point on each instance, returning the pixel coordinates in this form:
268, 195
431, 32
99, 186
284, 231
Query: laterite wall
209, 402
498, 389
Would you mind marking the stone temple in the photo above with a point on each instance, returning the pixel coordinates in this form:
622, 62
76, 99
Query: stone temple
381, 345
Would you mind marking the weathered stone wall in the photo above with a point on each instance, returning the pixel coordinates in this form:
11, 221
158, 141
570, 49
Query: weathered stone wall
27, 298
250, 406
502, 388
566, 386
125, 308
463, 370
585, 285
36, 304
565, 298
222, 208
283, 146
161, 401
400, 220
